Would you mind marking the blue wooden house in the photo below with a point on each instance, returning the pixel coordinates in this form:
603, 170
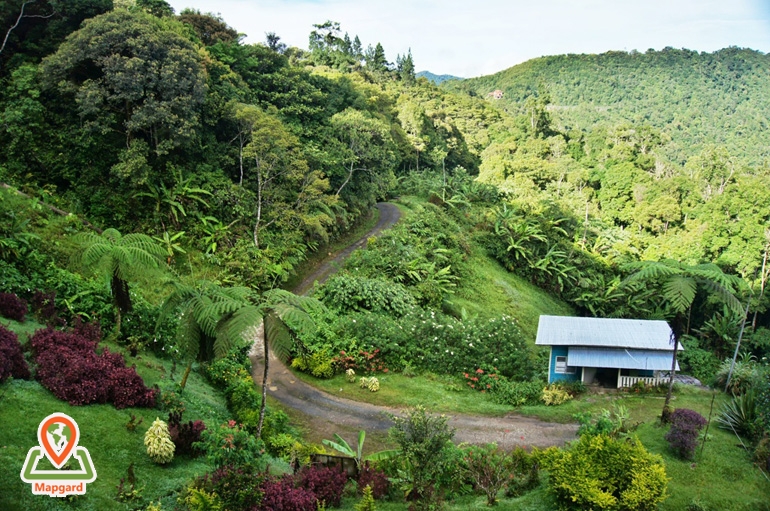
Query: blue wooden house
612, 352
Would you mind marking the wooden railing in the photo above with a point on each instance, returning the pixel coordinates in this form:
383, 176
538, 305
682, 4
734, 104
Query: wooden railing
628, 381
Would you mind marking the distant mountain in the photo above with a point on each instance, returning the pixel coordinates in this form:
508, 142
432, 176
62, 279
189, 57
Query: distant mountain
697, 99
437, 79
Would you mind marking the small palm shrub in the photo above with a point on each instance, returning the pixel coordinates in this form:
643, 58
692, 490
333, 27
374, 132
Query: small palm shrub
741, 415
603, 473
13, 307
683, 435
160, 448
12, 361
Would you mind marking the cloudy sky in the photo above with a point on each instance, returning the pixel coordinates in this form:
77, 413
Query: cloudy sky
475, 37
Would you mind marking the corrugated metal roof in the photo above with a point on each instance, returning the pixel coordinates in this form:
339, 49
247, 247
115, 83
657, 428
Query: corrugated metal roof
651, 360
604, 332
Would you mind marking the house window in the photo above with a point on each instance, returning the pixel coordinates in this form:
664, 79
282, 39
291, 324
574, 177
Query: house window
562, 367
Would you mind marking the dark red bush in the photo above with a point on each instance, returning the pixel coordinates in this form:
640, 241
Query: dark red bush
12, 361
281, 495
13, 307
185, 434
375, 479
683, 435
69, 366
326, 482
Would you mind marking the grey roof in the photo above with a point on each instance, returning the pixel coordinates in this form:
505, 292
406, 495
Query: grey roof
604, 332
651, 360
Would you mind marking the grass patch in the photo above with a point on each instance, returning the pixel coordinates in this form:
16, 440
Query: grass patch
23, 404
441, 394
491, 290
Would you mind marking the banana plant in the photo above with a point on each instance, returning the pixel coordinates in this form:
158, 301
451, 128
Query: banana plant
168, 242
340, 445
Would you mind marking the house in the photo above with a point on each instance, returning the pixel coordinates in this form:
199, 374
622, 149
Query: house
612, 352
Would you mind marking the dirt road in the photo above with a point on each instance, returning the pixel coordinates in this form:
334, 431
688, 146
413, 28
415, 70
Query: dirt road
324, 414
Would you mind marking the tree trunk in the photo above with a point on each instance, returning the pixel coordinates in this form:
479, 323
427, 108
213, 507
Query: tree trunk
184, 376
666, 407
350, 174
263, 405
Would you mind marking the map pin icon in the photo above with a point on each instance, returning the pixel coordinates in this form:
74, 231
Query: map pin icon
58, 435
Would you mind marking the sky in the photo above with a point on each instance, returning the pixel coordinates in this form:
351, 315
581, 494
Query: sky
469, 38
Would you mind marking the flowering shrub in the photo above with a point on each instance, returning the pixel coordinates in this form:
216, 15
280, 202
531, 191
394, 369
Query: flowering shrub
12, 361
373, 385
185, 434
230, 444
363, 382
69, 367
13, 307
482, 380
350, 376
683, 435
374, 479
555, 395
326, 483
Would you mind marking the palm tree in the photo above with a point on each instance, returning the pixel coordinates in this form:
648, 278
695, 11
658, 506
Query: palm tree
119, 258
679, 283
214, 319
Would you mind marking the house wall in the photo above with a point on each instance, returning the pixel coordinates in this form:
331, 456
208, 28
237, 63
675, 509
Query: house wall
553, 376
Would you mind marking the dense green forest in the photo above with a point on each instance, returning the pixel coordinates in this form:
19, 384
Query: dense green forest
163, 181
697, 100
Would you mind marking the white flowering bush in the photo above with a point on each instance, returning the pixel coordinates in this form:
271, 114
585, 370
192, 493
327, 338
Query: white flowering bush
350, 375
158, 442
373, 385
363, 382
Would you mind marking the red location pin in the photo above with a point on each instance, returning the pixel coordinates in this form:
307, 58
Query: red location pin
57, 424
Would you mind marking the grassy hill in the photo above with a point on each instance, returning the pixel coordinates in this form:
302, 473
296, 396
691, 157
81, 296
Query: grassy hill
695, 98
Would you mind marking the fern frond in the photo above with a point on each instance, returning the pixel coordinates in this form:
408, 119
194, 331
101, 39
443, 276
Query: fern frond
278, 337
679, 291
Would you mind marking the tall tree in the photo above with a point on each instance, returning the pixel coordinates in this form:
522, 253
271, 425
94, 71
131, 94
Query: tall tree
679, 284
119, 258
406, 68
131, 77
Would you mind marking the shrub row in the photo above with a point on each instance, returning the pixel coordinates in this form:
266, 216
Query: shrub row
69, 366
240, 488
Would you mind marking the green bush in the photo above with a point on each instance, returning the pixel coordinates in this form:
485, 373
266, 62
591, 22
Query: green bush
554, 395
603, 473
517, 394
319, 364
345, 292
230, 444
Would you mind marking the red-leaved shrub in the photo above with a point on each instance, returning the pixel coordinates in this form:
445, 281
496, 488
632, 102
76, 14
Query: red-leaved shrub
281, 495
236, 487
185, 434
326, 482
683, 435
13, 307
12, 361
69, 366
374, 479
44, 306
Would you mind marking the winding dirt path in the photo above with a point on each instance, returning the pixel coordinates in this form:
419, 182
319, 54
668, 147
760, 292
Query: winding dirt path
325, 414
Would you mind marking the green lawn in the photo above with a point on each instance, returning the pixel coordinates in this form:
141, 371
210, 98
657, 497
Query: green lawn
23, 404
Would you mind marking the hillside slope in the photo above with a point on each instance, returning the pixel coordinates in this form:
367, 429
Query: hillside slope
695, 98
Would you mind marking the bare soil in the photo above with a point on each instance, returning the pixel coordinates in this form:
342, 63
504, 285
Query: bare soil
324, 415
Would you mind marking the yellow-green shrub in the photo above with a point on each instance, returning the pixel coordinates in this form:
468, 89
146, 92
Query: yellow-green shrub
555, 395
319, 364
603, 473
373, 385
158, 442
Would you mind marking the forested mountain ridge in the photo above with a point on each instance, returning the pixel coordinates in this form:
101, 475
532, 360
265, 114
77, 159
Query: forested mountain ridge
696, 99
